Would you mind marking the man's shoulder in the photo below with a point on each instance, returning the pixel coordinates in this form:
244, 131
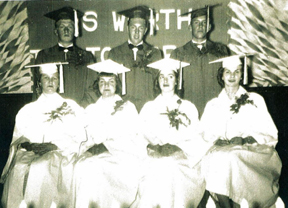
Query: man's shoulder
177, 52
218, 47
120, 47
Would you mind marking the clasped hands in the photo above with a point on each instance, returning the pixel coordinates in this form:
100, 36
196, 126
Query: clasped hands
162, 150
236, 141
97, 149
39, 148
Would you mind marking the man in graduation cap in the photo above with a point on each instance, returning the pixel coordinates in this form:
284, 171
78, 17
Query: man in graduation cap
136, 54
76, 76
200, 79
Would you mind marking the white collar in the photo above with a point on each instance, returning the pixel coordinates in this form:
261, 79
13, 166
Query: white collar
197, 43
71, 45
129, 42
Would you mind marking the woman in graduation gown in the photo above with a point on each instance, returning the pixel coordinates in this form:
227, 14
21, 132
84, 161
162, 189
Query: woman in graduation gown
243, 165
45, 144
107, 174
171, 173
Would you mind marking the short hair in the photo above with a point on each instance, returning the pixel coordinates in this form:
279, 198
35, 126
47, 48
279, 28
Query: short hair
157, 89
38, 82
220, 75
104, 74
146, 21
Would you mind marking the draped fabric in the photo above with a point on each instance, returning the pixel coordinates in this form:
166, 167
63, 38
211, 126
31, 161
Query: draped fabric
39, 180
109, 179
249, 171
173, 181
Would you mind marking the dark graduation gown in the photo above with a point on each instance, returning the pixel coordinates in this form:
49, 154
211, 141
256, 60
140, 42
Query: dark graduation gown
200, 78
77, 77
140, 80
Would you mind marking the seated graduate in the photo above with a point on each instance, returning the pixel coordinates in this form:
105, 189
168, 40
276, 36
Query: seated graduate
243, 164
45, 144
171, 173
107, 173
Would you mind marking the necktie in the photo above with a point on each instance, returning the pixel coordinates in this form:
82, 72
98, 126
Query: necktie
200, 46
139, 47
62, 48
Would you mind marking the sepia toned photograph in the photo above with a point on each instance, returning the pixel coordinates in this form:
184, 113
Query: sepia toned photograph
144, 104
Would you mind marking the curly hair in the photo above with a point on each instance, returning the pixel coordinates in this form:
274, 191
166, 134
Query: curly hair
157, 89
104, 74
220, 75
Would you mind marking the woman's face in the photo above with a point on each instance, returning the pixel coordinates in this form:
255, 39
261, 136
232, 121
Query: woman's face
49, 83
107, 86
232, 77
167, 81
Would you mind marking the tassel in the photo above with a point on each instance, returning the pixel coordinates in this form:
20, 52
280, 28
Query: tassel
151, 22
61, 87
180, 77
123, 84
208, 22
245, 75
76, 24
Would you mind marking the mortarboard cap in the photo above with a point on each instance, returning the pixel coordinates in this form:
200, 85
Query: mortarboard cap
170, 64
111, 67
66, 13
142, 12
201, 11
138, 11
51, 68
232, 62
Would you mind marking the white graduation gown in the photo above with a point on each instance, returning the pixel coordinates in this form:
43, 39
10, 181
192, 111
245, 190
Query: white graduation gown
39, 180
172, 181
249, 172
110, 179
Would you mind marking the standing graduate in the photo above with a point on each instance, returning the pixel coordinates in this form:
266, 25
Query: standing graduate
199, 79
136, 54
76, 76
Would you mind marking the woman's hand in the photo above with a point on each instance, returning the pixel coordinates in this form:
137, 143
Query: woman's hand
97, 149
236, 141
154, 150
222, 142
39, 148
249, 140
169, 149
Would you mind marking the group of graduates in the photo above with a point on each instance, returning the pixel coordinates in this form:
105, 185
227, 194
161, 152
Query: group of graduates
147, 148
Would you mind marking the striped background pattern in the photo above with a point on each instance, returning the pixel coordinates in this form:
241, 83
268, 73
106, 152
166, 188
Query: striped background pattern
14, 48
260, 27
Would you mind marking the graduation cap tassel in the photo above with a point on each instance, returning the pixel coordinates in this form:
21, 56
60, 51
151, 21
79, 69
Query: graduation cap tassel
180, 77
76, 23
123, 84
151, 22
61, 87
245, 76
208, 15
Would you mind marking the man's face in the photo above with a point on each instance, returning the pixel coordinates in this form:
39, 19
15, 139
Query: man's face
49, 83
199, 28
137, 29
65, 31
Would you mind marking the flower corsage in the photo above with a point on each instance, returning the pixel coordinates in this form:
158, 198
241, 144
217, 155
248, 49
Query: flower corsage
242, 100
60, 112
119, 104
176, 117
